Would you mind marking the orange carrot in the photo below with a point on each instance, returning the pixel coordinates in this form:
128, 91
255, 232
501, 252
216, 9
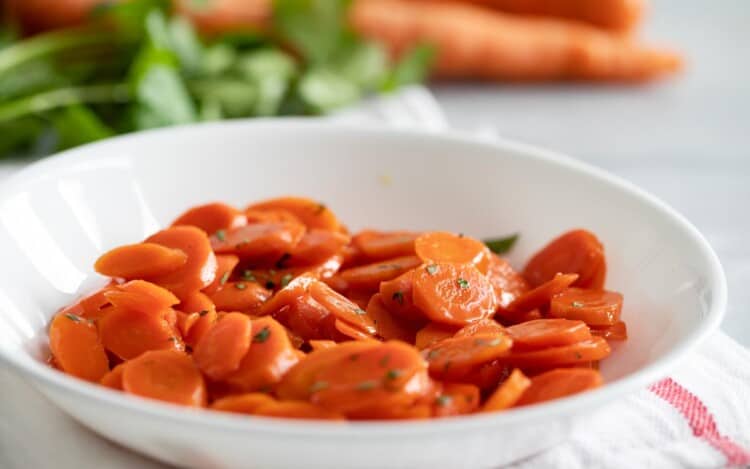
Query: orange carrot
473, 42
432, 333
559, 383
242, 403
453, 294
453, 358
378, 245
321, 344
440, 246
166, 375
456, 399
316, 246
212, 218
311, 213
397, 296
247, 297
341, 307
541, 333
75, 344
389, 326
508, 284
592, 349
222, 348
617, 331
541, 295
142, 296
368, 277
113, 379
129, 333
296, 410
307, 318
225, 264
485, 326
594, 307
508, 393
575, 252
140, 260
262, 243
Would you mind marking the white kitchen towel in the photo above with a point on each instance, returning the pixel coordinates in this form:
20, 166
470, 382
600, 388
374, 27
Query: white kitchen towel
699, 417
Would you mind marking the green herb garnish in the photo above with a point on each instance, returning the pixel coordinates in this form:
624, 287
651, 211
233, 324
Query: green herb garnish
432, 269
221, 235
224, 278
393, 374
366, 386
463, 284
285, 279
262, 336
73, 317
577, 304
240, 286
398, 297
442, 401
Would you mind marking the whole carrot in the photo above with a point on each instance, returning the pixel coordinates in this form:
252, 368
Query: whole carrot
473, 42
614, 15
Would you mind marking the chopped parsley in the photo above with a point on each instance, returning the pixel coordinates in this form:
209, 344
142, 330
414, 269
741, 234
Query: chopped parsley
384, 361
221, 235
443, 401
578, 355
432, 269
393, 374
203, 312
398, 297
240, 286
320, 208
262, 336
462, 283
73, 317
280, 264
433, 354
577, 304
285, 279
366, 386
224, 278
248, 275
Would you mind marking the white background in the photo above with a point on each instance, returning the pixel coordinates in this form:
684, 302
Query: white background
686, 139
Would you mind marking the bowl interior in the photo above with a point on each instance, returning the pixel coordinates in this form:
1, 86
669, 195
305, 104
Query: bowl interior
57, 217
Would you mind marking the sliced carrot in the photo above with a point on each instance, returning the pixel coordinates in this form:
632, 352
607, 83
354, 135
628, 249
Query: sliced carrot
591, 349
223, 347
113, 379
559, 383
202, 322
342, 308
456, 399
201, 314
432, 333
453, 294
270, 356
508, 393
377, 245
487, 375
368, 277
442, 247
212, 217
260, 243
617, 331
311, 213
296, 410
296, 288
225, 264
140, 260
388, 325
199, 270
166, 375
196, 302
307, 318
270, 216
315, 247
594, 307
508, 284
454, 357
541, 295
139, 295
484, 326
350, 332
90, 307
128, 333
541, 333
575, 252
242, 403
321, 344
75, 344
390, 373
532, 315
398, 296
247, 297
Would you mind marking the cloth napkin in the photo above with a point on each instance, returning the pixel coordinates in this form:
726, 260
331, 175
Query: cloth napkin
699, 417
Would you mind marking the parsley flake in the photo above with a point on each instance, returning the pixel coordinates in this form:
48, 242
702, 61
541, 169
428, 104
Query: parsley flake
366, 386
281, 263
73, 317
285, 279
224, 278
262, 336
432, 269
393, 374
221, 235
462, 283
248, 275
398, 297
443, 401
240, 286
203, 312
577, 304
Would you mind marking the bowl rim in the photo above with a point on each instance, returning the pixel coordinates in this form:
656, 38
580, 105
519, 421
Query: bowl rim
219, 421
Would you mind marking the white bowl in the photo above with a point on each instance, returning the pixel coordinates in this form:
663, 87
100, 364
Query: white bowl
59, 214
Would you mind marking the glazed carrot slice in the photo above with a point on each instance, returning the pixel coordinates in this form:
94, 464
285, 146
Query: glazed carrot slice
541, 333
388, 325
508, 284
166, 375
454, 357
242, 403
113, 379
311, 213
199, 270
484, 326
368, 277
300, 381
575, 252
223, 347
442, 247
617, 331
89, 307
350, 332
377, 245
391, 373
559, 383
212, 217
453, 294
487, 375
432, 333
594, 307
508, 393
456, 399
259, 242
532, 315
398, 296
225, 264
139, 295
342, 308
592, 349
128, 333
247, 297
270, 216
316, 246
541, 295
296, 410
307, 318
296, 288
140, 260
75, 344
321, 344
270, 356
